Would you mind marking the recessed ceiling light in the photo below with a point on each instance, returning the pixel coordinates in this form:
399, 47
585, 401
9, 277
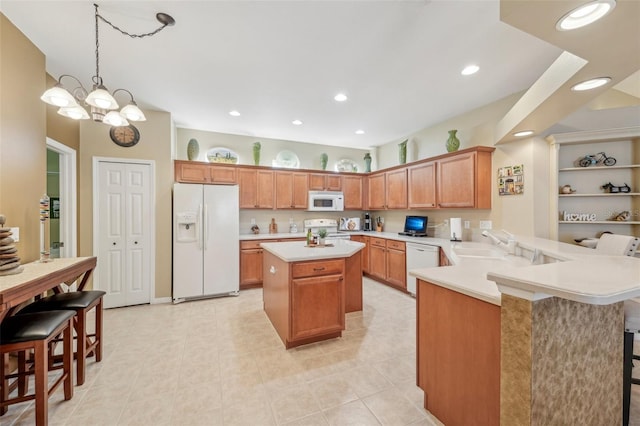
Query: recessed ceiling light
591, 84
296, 122
359, 132
523, 133
470, 69
340, 97
234, 113
585, 14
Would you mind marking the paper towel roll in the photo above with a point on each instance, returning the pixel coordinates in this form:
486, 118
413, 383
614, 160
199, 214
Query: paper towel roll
455, 224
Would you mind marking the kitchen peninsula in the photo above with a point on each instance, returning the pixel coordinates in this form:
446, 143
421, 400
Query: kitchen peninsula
531, 338
308, 290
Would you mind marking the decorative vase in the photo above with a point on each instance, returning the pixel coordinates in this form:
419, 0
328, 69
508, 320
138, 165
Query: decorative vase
192, 149
367, 162
256, 153
403, 151
453, 143
323, 160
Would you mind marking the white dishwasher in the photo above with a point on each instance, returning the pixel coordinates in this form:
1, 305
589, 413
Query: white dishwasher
420, 256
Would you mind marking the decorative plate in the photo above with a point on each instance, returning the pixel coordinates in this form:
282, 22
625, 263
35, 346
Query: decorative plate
222, 155
287, 159
346, 165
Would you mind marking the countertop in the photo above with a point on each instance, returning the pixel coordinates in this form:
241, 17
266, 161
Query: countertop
296, 251
579, 273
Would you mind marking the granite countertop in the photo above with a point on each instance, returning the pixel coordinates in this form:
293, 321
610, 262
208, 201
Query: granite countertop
296, 251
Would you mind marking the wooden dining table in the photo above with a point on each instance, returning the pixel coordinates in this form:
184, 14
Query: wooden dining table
38, 277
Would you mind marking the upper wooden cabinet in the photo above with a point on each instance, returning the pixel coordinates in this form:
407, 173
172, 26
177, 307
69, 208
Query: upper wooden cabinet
256, 188
291, 190
353, 189
198, 172
325, 182
422, 186
388, 190
464, 180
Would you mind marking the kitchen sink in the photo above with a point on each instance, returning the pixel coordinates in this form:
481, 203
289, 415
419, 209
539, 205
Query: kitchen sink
479, 251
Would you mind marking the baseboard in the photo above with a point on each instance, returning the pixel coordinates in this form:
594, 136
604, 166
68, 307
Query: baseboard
159, 300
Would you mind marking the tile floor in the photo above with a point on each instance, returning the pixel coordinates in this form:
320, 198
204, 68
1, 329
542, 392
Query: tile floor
220, 362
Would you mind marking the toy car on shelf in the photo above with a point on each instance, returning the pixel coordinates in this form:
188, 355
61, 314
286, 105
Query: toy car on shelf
613, 189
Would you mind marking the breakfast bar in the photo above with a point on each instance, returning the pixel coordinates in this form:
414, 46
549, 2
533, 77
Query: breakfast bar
539, 334
308, 289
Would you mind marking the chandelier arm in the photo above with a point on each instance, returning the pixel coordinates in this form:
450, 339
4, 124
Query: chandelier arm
73, 77
124, 90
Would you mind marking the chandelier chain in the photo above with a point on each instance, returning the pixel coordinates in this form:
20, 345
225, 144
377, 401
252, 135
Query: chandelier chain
121, 31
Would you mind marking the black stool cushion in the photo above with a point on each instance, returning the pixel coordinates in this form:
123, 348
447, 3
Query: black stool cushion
73, 300
35, 326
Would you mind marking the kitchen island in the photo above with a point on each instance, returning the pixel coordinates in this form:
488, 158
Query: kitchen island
308, 290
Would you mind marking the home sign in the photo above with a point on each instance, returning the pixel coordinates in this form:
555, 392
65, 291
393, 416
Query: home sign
578, 217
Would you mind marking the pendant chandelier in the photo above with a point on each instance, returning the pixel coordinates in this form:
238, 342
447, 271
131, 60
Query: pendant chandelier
102, 104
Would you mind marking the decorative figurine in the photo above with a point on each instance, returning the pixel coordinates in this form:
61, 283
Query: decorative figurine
613, 189
596, 159
566, 189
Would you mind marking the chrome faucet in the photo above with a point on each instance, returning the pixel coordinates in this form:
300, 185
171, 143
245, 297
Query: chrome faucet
509, 246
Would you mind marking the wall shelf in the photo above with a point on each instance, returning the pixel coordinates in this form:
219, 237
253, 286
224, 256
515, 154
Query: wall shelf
566, 150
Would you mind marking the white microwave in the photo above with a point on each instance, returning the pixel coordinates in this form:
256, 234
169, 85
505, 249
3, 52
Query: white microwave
326, 201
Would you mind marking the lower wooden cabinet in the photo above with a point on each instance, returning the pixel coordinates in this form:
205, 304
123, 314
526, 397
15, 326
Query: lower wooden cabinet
251, 257
458, 356
387, 261
365, 251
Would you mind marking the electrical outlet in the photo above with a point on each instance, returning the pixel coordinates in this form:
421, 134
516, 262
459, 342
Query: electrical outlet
467, 224
253, 220
485, 224
15, 234
445, 222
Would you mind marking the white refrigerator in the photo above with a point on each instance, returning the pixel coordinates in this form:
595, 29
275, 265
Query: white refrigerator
206, 222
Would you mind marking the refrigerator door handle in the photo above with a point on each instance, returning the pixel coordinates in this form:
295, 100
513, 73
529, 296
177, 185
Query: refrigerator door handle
200, 245
205, 222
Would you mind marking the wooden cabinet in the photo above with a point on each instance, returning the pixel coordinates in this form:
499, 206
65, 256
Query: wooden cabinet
458, 356
464, 179
396, 189
387, 190
353, 189
396, 264
422, 186
198, 172
377, 258
256, 188
376, 191
251, 263
365, 251
305, 301
325, 182
388, 261
291, 190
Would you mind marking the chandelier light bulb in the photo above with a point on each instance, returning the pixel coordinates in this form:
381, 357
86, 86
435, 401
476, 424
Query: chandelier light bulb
75, 112
58, 96
133, 113
101, 98
114, 118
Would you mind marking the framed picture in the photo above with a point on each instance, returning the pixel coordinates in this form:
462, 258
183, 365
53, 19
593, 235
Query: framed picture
55, 207
511, 180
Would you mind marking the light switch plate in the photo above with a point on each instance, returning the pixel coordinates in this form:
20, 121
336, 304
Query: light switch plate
485, 224
467, 224
16, 234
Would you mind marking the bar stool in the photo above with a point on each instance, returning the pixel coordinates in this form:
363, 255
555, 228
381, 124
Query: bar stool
81, 302
34, 332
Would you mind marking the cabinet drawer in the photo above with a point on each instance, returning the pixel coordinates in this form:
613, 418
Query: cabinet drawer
380, 242
396, 245
253, 244
317, 268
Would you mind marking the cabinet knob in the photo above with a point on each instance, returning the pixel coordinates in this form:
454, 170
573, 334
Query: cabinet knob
113, 243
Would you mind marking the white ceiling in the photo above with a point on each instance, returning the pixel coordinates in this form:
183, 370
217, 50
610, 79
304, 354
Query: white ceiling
275, 61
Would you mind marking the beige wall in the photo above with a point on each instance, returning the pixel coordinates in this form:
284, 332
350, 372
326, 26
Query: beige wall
155, 144
22, 136
309, 154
